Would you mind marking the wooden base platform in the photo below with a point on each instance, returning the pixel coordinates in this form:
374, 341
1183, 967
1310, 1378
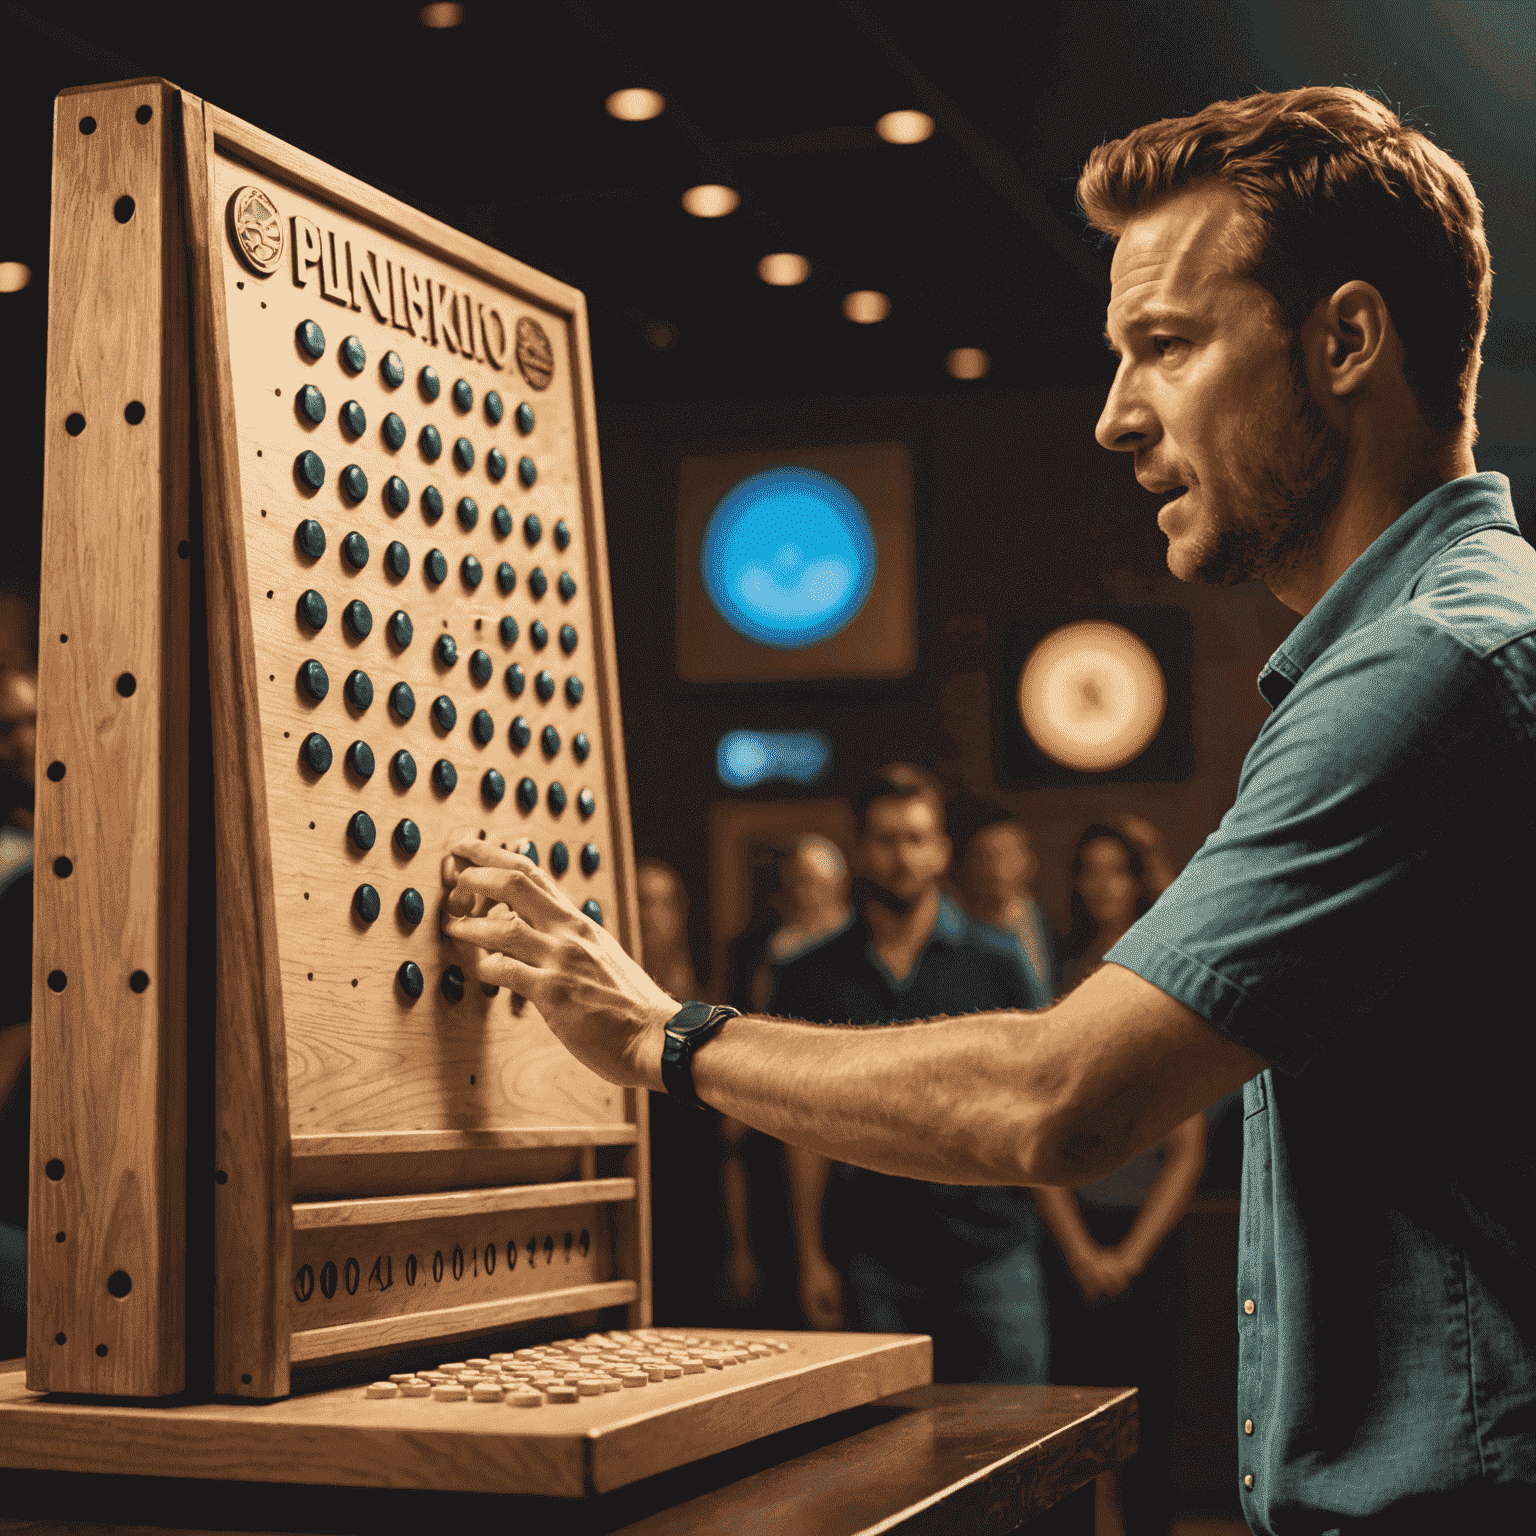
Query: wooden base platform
563, 1450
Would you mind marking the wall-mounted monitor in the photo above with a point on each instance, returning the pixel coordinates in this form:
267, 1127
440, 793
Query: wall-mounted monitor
1095, 695
796, 565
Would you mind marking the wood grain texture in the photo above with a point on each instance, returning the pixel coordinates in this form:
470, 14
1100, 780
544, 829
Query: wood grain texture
566, 1451
463, 1202
252, 1235
109, 968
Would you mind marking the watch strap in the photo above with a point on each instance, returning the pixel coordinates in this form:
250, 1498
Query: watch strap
687, 1030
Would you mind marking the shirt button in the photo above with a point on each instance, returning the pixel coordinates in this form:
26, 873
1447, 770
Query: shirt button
1247, 1426
1248, 1480
1248, 1307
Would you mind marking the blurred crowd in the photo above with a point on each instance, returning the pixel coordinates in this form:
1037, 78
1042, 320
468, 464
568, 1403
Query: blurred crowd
932, 911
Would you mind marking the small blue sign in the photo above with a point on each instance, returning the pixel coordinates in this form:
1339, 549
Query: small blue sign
745, 758
789, 557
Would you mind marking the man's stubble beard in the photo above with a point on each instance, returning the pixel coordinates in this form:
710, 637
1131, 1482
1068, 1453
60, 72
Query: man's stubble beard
1300, 474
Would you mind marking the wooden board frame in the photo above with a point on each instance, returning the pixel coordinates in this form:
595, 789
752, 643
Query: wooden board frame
259, 1164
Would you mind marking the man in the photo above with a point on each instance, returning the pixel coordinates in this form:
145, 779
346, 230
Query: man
960, 1263
1299, 293
998, 866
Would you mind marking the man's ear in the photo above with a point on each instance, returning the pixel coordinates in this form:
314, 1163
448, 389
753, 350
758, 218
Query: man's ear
1353, 339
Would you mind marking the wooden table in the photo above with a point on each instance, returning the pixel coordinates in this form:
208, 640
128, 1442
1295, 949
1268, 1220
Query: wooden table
957, 1460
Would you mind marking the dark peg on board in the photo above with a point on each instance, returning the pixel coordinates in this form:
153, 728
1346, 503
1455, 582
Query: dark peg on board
463, 395
506, 577
310, 537
402, 701
567, 585
412, 907
493, 787
469, 512
430, 442
397, 494
436, 567
312, 610
365, 902
353, 358
567, 638
310, 468
358, 619
520, 733
360, 830
593, 911
544, 686
392, 370
431, 503
464, 453
315, 752
482, 727
393, 431
573, 690
447, 650
496, 464
527, 794
527, 470
533, 529
352, 418
559, 858
311, 338
412, 983
549, 739
443, 711
556, 798
538, 582
402, 768
493, 407
354, 550
590, 859
525, 418
397, 560
501, 521
517, 679
310, 404
562, 534
481, 666
313, 680
445, 776
453, 984
355, 483
471, 571
407, 836
429, 383
360, 759
538, 634
358, 689
580, 745
585, 803
400, 628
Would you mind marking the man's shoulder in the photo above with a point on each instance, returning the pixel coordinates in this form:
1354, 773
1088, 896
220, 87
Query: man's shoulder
1479, 591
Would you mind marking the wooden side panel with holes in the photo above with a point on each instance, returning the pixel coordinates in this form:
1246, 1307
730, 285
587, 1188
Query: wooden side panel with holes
106, 1258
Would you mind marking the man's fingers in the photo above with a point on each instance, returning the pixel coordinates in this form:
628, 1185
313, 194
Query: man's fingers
508, 935
523, 887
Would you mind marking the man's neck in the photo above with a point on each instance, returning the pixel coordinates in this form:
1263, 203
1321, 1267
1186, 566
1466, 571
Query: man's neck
899, 936
1006, 912
1379, 485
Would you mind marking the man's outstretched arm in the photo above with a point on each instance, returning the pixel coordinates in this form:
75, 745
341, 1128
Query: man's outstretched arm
1059, 1097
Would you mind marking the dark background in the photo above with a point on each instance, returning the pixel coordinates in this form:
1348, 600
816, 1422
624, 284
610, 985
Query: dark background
497, 127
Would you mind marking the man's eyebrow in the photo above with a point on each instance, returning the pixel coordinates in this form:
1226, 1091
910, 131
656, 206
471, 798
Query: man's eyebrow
1153, 318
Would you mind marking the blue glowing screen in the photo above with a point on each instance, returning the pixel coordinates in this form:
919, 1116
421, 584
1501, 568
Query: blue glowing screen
745, 758
788, 557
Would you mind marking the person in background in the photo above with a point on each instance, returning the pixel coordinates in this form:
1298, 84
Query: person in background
997, 871
1112, 1313
18, 771
960, 1263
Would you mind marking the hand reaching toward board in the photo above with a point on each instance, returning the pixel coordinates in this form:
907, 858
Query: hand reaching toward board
518, 929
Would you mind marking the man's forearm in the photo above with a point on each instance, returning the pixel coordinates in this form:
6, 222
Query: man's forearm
807, 1173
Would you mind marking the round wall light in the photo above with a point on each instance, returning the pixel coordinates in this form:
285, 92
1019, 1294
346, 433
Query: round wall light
711, 201
905, 127
866, 307
635, 105
783, 269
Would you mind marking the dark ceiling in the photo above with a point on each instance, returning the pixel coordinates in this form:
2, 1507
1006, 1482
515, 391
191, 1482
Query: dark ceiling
497, 126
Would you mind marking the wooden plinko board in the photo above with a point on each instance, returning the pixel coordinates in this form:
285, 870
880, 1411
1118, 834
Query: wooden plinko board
408, 637
589, 1446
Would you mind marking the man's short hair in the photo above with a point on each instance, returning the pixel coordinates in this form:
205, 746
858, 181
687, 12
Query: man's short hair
1338, 188
899, 781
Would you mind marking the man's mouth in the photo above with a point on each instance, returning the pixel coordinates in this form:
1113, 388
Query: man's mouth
1174, 494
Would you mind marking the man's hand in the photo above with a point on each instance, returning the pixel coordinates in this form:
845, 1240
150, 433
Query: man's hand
1102, 1273
516, 928
821, 1293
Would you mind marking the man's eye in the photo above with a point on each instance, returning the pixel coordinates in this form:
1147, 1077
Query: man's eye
1167, 344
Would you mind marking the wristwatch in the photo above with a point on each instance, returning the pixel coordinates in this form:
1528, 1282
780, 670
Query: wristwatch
693, 1024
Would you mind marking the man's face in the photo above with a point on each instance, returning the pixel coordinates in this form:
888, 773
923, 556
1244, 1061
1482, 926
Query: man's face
662, 918
1211, 398
999, 864
902, 849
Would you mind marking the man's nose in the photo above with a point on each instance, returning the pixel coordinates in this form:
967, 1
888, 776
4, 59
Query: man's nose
1127, 421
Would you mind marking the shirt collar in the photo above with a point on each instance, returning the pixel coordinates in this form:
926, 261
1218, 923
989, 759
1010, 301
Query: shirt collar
948, 928
1381, 574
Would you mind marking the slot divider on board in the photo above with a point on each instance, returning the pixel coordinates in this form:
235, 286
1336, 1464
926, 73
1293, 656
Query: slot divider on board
316, 1215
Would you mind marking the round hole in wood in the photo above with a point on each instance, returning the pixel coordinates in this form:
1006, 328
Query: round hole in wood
74, 423
56, 770
122, 211
183, 549
54, 1169
220, 1177
63, 639
144, 113
245, 1380
101, 1350
87, 125
126, 684
133, 412
63, 868
119, 1283
139, 980
58, 1237
59, 1338
57, 981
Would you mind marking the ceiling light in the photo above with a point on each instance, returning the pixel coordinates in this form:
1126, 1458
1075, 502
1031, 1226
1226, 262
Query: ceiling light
635, 105
967, 363
783, 269
866, 307
905, 127
441, 15
14, 276
711, 201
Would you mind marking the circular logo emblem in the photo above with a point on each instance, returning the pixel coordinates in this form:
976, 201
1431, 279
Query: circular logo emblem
535, 356
257, 230
789, 557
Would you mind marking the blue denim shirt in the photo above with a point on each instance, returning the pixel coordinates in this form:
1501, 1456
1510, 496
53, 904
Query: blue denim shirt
1363, 918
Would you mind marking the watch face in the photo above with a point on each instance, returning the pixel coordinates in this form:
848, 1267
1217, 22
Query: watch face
1092, 696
